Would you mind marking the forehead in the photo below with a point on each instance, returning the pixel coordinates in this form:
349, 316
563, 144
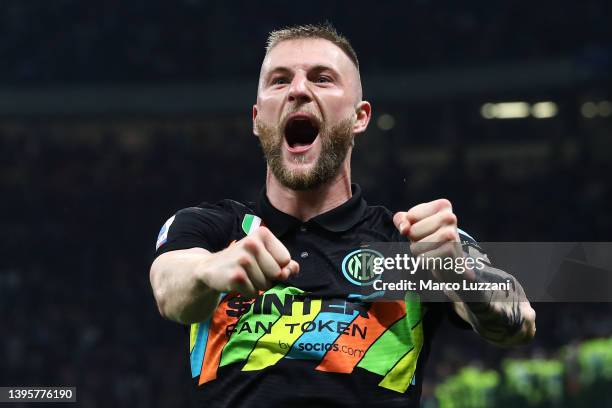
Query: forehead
305, 53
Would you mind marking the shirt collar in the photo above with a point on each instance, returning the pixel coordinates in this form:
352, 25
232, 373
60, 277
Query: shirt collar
338, 219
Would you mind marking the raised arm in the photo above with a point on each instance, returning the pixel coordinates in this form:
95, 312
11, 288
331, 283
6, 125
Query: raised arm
504, 318
187, 283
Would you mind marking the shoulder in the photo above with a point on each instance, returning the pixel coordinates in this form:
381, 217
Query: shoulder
225, 206
212, 226
222, 211
222, 216
208, 225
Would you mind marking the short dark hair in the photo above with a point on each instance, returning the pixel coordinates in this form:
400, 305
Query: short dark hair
325, 31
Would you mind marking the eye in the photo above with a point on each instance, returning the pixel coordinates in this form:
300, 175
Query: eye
324, 79
280, 81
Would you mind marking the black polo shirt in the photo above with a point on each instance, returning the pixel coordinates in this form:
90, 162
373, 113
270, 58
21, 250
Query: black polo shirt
312, 340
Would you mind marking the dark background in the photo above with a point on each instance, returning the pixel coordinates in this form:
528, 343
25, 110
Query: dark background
113, 115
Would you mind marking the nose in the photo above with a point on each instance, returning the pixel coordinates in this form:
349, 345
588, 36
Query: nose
299, 91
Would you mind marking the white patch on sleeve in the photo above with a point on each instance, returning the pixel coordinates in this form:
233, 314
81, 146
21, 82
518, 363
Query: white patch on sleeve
460, 231
162, 237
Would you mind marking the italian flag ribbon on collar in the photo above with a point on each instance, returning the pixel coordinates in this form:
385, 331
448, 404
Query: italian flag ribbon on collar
250, 223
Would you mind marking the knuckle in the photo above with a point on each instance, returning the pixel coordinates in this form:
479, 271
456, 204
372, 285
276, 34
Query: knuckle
411, 215
444, 203
251, 244
238, 276
448, 234
243, 260
277, 273
246, 241
399, 217
263, 232
449, 217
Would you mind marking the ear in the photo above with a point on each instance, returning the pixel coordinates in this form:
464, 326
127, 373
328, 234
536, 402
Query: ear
364, 113
255, 117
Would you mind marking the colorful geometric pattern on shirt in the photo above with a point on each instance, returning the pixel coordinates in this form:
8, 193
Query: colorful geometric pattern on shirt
284, 323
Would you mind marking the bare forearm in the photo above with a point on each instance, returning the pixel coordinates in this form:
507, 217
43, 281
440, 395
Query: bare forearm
187, 283
179, 290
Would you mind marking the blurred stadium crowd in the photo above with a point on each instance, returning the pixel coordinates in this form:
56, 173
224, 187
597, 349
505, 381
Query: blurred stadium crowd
83, 198
68, 40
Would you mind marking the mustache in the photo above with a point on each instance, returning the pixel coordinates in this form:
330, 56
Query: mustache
300, 109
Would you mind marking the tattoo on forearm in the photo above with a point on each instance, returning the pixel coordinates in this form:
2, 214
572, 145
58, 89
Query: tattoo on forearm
501, 316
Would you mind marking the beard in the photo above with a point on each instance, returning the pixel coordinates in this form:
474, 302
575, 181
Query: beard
335, 144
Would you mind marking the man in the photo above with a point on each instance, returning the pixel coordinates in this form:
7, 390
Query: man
277, 315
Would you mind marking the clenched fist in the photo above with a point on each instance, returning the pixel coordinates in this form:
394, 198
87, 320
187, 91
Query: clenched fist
432, 230
249, 265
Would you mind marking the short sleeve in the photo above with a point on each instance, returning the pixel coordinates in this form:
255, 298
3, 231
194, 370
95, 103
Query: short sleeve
207, 226
471, 247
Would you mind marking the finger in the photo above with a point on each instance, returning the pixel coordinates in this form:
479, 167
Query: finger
423, 247
400, 220
258, 263
421, 211
251, 250
435, 240
276, 248
241, 283
445, 250
293, 268
270, 268
431, 224
256, 275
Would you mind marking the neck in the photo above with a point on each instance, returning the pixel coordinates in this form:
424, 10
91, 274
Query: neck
307, 204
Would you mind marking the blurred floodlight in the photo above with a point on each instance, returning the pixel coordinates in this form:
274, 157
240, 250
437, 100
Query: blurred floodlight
385, 122
544, 110
505, 110
605, 108
488, 110
512, 110
589, 110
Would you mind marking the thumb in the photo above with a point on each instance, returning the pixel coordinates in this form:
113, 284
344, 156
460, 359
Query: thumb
292, 268
400, 220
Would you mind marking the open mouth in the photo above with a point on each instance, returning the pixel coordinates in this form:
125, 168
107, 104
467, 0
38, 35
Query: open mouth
301, 132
